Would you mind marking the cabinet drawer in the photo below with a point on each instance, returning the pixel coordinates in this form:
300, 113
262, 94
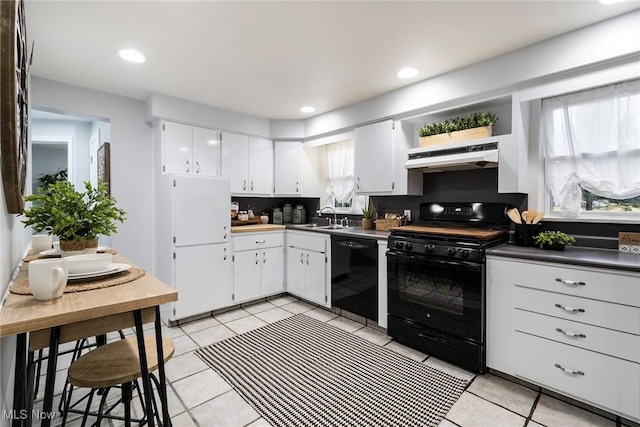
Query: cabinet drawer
607, 341
262, 240
309, 241
599, 313
606, 382
603, 285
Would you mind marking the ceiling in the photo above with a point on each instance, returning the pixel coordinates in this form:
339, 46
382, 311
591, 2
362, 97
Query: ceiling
268, 59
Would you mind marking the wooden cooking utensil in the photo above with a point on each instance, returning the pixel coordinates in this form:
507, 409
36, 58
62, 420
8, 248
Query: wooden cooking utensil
524, 216
514, 215
538, 217
530, 215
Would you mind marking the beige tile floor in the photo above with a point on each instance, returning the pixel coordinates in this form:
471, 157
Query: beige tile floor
200, 397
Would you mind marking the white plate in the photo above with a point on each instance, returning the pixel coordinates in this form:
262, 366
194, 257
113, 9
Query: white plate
55, 252
112, 268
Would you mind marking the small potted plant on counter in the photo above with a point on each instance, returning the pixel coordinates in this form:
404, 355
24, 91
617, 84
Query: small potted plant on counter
554, 240
77, 218
367, 218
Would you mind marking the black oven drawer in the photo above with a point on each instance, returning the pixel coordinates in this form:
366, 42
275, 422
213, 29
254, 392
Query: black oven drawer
464, 353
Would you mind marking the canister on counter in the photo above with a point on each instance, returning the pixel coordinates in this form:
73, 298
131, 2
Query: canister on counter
287, 214
277, 216
299, 215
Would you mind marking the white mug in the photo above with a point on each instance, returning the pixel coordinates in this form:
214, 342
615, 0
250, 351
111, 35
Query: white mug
40, 242
48, 277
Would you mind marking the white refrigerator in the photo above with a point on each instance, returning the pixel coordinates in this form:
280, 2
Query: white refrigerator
192, 250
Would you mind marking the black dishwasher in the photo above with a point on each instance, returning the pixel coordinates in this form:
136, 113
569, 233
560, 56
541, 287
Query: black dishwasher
354, 275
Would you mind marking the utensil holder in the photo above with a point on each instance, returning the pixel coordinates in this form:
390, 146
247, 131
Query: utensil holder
525, 234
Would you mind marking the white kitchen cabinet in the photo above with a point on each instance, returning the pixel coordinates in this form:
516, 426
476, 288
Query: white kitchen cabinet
258, 265
191, 241
571, 329
288, 168
307, 266
189, 149
380, 154
248, 162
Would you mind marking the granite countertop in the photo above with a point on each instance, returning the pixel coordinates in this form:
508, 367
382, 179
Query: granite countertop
574, 255
352, 231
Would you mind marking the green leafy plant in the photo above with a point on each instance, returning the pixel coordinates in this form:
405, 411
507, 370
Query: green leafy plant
554, 238
73, 215
471, 121
367, 213
50, 178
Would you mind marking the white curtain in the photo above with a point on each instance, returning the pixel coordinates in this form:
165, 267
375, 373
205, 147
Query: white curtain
339, 163
592, 140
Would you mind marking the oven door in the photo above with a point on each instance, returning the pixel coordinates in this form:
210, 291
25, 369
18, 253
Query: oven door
441, 294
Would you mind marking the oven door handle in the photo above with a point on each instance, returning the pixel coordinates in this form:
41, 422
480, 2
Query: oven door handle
431, 336
434, 261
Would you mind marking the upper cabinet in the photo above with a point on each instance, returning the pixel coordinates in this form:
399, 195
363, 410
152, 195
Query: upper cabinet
189, 149
248, 162
380, 154
288, 168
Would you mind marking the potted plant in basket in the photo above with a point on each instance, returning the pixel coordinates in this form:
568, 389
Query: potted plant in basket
554, 240
77, 218
367, 218
476, 125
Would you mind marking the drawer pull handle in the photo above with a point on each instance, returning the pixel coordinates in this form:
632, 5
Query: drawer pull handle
570, 282
258, 242
572, 310
569, 371
571, 334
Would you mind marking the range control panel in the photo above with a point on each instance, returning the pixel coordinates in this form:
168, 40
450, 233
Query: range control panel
413, 247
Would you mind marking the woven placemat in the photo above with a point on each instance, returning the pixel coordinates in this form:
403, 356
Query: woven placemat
21, 284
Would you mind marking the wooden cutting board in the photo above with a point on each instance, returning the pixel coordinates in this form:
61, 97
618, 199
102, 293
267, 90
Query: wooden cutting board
257, 227
477, 233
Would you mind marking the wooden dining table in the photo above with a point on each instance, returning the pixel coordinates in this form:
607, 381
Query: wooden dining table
74, 316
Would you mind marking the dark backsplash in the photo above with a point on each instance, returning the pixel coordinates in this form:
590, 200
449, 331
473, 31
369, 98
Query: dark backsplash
266, 204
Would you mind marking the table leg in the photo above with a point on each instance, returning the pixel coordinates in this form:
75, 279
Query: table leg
52, 364
166, 419
146, 380
20, 382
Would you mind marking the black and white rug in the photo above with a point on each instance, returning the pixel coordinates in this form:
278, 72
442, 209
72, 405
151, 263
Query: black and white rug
303, 372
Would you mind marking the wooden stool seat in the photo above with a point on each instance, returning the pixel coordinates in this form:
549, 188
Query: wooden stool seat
116, 363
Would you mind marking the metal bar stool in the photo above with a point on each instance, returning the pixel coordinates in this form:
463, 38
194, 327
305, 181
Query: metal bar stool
116, 365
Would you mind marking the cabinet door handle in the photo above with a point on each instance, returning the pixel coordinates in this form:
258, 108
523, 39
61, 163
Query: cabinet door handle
568, 371
225, 254
257, 258
264, 257
197, 167
572, 310
358, 183
251, 185
571, 334
569, 282
297, 188
244, 185
301, 258
188, 167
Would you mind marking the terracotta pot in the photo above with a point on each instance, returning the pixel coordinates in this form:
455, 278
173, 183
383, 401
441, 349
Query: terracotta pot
367, 223
78, 247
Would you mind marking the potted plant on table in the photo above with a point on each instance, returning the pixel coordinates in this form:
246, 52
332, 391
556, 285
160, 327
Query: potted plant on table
554, 240
77, 218
367, 218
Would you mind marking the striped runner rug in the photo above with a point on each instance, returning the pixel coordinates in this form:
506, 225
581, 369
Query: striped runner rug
303, 372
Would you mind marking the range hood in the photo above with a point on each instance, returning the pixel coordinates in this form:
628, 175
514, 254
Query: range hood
453, 157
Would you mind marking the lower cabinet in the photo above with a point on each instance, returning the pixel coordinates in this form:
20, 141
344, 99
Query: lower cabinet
571, 329
258, 265
308, 267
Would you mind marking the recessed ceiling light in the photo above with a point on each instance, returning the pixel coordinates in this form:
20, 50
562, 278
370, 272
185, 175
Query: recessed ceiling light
408, 72
132, 55
308, 109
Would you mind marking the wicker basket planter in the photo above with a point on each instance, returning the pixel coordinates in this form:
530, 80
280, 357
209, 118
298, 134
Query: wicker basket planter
384, 224
77, 247
460, 135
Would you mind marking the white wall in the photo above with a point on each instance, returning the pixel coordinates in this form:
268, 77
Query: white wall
131, 155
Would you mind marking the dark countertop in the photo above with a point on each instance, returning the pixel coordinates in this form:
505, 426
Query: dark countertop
574, 255
355, 231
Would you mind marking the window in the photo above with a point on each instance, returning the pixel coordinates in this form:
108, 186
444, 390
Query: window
339, 178
591, 142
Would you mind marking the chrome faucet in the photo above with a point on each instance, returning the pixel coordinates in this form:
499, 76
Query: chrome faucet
335, 221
